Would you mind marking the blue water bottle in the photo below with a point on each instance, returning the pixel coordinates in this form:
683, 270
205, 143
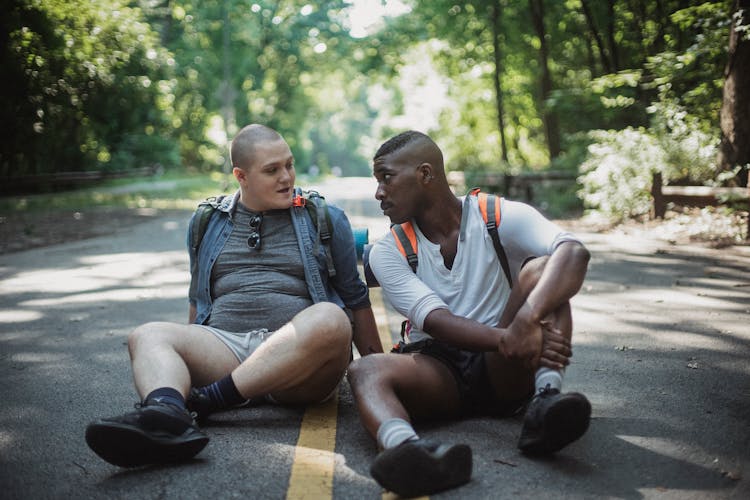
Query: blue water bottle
361, 238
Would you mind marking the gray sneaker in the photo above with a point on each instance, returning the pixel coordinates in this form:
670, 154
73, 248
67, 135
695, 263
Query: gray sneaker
553, 420
153, 433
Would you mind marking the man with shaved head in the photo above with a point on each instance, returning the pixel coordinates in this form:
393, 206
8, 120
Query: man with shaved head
481, 341
269, 319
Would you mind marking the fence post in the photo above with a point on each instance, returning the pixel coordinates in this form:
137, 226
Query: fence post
659, 205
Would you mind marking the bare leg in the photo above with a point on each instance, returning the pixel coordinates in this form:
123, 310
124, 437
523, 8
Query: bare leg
174, 355
402, 386
301, 362
391, 388
514, 380
552, 419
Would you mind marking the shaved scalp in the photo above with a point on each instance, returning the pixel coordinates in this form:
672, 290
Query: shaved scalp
246, 141
414, 144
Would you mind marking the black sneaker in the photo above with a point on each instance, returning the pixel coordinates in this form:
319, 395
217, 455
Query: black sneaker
422, 467
554, 420
199, 404
153, 433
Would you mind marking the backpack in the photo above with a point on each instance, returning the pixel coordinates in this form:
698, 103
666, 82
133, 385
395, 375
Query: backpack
406, 238
314, 203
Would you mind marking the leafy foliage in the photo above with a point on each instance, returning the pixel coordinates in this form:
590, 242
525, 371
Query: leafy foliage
616, 176
82, 79
118, 84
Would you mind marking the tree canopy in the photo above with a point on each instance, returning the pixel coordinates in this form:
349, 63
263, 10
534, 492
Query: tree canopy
504, 85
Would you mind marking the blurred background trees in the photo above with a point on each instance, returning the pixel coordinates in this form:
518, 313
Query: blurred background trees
611, 90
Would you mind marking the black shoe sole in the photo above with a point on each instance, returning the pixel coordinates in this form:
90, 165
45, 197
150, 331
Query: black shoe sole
412, 471
564, 422
129, 446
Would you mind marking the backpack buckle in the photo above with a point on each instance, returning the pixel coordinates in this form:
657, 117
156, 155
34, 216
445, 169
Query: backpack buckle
299, 201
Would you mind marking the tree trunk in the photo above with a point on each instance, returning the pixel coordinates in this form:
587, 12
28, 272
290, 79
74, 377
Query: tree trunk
611, 35
228, 93
551, 126
495, 18
735, 106
606, 65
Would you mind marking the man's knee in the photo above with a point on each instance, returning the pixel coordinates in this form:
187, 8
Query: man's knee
367, 369
328, 323
146, 333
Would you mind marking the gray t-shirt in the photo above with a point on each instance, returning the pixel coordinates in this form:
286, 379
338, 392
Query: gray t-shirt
262, 287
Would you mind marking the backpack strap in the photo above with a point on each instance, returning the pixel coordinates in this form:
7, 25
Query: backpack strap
200, 219
406, 241
199, 224
489, 206
317, 207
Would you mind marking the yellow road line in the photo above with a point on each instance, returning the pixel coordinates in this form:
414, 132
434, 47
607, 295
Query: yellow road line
312, 469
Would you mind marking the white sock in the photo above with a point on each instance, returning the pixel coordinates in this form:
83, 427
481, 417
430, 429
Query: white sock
547, 376
395, 431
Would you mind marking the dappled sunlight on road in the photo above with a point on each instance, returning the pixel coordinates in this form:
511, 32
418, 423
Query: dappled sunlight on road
102, 271
660, 345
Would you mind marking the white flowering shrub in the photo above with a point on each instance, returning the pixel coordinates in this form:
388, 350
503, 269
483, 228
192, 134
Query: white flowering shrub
617, 172
690, 151
616, 175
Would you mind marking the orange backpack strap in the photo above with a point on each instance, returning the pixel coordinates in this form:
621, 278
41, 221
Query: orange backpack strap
406, 241
489, 206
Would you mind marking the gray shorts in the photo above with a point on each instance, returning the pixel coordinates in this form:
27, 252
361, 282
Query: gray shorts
244, 344
241, 344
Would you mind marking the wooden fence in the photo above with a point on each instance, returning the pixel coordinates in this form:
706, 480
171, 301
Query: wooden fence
697, 196
26, 183
520, 185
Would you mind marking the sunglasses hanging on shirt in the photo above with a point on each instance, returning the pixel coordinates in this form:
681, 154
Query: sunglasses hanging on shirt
253, 241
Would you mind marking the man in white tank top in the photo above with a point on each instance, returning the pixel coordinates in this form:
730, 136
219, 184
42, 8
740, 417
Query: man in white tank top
477, 346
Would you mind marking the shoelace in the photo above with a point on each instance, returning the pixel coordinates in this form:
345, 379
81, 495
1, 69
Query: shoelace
193, 414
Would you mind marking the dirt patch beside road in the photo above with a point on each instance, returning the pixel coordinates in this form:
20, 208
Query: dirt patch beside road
26, 230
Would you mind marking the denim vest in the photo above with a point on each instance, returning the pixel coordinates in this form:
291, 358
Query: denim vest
345, 288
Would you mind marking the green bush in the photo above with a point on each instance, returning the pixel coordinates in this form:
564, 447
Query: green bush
616, 175
618, 169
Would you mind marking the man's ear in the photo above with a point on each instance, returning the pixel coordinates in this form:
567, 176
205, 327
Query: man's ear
239, 174
424, 173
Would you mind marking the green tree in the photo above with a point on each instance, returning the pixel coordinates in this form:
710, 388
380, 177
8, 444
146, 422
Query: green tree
83, 88
245, 62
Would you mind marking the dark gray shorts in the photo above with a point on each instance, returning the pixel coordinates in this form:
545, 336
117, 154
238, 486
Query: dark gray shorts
470, 372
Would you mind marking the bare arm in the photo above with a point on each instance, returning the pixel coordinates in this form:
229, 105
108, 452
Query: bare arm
366, 337
562, 278
529, 333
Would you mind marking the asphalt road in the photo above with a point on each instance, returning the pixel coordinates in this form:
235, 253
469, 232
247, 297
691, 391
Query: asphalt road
661, 349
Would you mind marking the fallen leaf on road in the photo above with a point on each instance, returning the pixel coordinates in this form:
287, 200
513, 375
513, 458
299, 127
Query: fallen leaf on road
693, 365
731, 474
